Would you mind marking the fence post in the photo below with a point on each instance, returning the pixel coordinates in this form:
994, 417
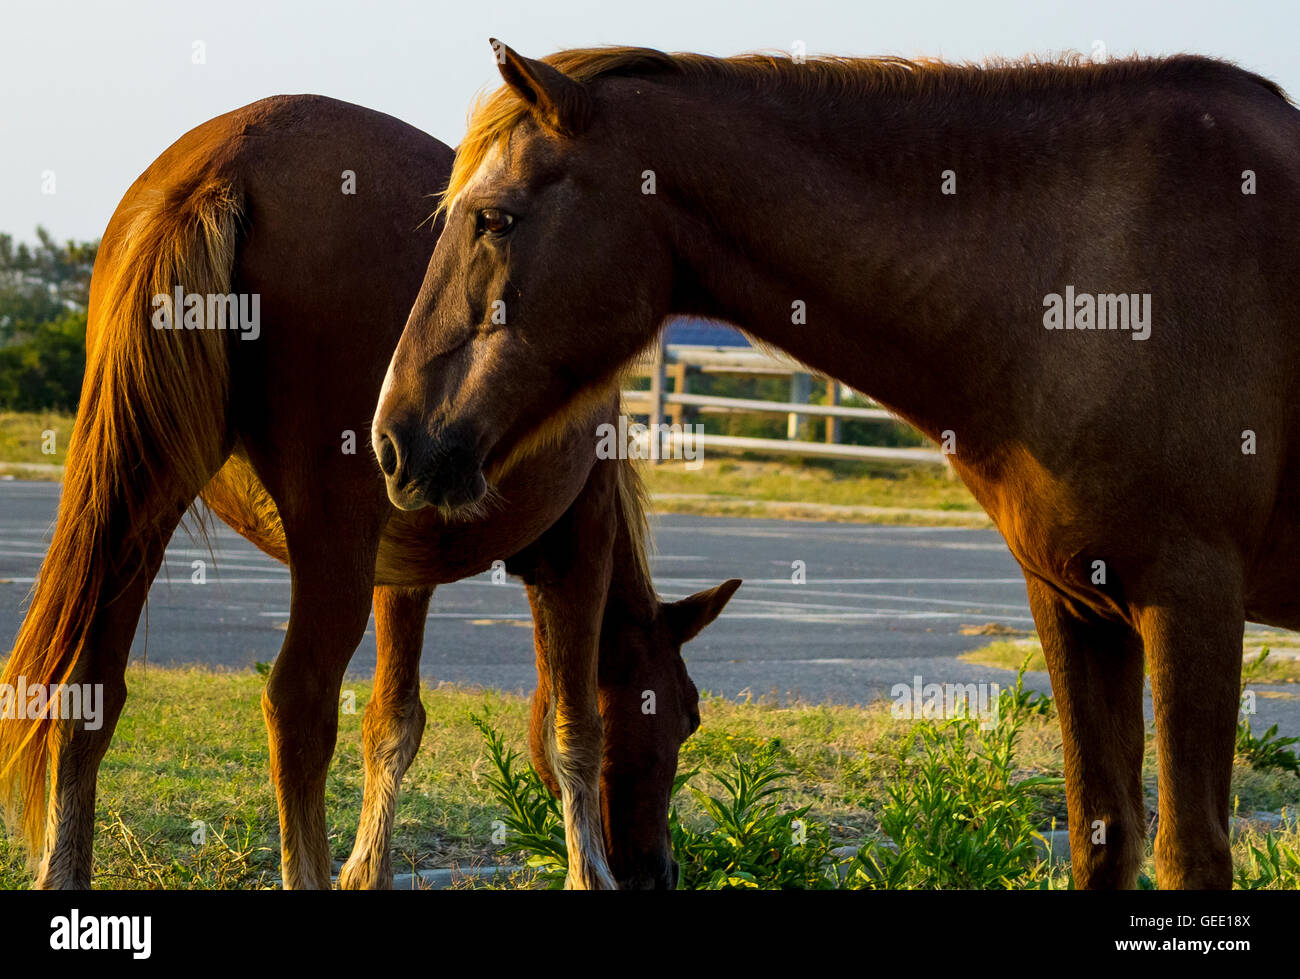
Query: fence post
800, 392
657, 392
677, 413
832, 399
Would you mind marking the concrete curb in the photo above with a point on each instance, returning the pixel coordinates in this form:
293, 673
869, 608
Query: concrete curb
436, 879
443, 878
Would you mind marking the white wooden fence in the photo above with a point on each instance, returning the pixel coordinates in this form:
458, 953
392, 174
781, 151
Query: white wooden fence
674, 360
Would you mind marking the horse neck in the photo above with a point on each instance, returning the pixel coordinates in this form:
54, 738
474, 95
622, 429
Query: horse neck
839, 207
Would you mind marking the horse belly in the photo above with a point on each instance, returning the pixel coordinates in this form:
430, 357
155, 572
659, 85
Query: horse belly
1273, 582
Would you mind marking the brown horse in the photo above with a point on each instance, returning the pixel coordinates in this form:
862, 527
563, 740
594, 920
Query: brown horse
260, 421
911, 229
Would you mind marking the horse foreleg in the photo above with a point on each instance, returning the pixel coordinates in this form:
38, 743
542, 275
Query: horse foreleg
1096, 671
568, 581
573, 740
392, 728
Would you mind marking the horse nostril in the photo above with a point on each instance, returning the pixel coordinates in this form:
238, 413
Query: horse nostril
388, 458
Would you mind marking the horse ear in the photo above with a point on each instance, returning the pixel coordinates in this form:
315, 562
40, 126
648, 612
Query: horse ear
687, 617
557, 101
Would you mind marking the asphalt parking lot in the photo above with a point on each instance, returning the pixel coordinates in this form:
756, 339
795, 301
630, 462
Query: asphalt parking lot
878, 605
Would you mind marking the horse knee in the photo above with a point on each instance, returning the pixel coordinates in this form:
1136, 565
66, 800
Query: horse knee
578, 737
306, 726
393, 730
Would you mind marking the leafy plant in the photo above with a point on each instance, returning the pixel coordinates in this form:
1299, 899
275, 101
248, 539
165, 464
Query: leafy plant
957, 817
1274, 866
751, 843
1022, 702
532, 815
1267, 750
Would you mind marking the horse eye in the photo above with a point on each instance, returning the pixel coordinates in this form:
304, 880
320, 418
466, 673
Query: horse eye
494, 221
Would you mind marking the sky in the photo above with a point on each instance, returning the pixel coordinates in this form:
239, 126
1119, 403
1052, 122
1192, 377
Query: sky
92, 92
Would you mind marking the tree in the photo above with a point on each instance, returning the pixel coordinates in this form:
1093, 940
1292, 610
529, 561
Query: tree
44, 292
44, 370
42, 283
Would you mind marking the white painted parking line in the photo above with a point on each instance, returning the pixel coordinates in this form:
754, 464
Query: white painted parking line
970, 603
791, 615
181, 579
815, 617
862, 581
221, 565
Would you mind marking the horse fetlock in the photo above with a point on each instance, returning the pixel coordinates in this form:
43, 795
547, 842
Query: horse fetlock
60, 873
1106, 852
367, 870
1203, 862
585, 839
310, 874
588, 871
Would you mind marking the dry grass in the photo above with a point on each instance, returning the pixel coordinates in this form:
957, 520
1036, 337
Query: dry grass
1281, 666
792, 488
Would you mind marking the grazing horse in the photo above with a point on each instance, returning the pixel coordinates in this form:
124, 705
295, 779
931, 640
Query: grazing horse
1079, 277
310, 208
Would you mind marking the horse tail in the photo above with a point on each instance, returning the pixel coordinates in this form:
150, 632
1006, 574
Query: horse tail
149, 433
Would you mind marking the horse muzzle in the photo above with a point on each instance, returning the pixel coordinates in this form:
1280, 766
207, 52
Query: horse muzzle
652, 875
445, 473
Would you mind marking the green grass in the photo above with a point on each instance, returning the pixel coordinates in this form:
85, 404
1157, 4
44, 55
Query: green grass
750, 484
22, 440
191, 747
958, 806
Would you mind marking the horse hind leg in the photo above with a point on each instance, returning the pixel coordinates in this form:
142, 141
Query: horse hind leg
1096, 671
327, 618
78, 745
1194, 646
391, 732
150, 433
